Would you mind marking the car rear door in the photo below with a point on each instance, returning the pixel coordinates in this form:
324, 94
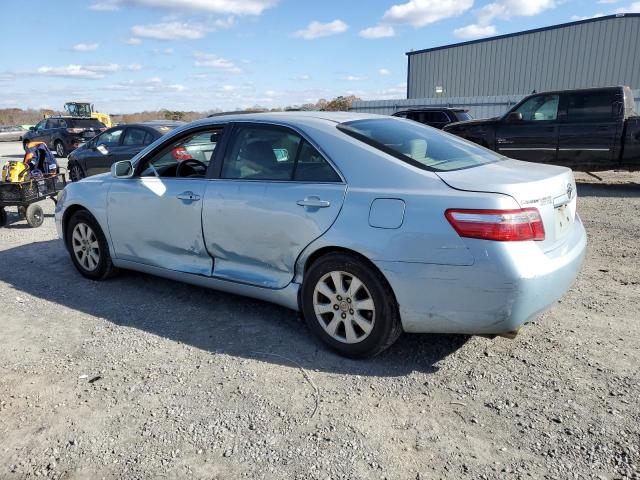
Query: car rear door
275, 193
535, 137
591, 129
133, 141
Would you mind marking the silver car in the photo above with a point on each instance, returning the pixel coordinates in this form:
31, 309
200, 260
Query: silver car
11, 134
369, 225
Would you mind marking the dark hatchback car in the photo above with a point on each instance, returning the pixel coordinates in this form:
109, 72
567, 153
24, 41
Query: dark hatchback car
118, 143
436, 117
63, 134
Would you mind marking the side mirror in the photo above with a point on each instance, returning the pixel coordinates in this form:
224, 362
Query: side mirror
123, 169
32, 129
513, 117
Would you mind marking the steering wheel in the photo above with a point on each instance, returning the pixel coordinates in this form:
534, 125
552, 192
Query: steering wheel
198, 163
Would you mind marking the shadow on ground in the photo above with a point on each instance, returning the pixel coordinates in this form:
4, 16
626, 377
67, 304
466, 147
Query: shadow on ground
608, 190
206, 319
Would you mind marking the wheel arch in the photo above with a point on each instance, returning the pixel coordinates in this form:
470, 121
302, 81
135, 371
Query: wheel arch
308, 259
69, 212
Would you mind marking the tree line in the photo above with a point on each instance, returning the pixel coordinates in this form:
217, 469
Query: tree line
17, 116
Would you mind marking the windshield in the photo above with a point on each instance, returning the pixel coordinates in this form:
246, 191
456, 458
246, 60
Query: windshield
419, 145
85, 123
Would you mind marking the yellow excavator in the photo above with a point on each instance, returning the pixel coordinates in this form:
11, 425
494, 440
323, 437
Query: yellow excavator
85, 109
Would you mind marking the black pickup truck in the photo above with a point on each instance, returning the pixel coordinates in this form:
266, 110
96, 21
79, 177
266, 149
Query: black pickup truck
588, 130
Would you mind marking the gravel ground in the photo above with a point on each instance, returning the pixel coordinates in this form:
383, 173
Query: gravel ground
140, 377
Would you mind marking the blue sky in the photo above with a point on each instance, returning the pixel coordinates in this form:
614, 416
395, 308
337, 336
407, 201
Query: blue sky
133, 55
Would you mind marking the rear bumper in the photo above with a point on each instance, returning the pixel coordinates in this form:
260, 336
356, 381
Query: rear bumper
509, 284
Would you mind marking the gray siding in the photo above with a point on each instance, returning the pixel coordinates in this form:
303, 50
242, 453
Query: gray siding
479, 107
583, 54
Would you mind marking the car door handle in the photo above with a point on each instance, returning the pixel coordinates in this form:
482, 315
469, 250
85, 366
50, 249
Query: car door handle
188, 197
314, 202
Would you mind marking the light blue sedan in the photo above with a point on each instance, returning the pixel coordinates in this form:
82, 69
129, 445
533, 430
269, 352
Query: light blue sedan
369, 225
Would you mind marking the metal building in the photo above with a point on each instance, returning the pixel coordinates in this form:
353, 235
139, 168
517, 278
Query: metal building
490, 74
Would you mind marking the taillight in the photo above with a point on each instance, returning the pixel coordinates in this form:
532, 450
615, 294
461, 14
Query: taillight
500, 225
75, 130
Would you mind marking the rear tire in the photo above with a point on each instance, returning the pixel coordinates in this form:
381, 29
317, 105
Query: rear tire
88, 247
61, 152
356, 323
24, 144
3, 217
34, 215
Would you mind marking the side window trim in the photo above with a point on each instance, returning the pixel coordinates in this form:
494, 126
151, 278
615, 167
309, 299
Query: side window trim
303, 137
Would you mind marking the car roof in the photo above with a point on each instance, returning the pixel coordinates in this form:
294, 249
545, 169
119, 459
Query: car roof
290, 118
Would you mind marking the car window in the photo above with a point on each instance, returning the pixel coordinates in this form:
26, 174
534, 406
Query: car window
188, 157
110, 138
261, 153
134, 136
590, 106
313, 167
62, 124
463, 116
86, 123
41, 125
419, 145
148, 139
540, 108
49, 124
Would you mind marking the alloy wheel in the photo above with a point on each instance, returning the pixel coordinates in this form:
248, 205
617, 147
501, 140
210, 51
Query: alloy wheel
85, 246
59, 149
76, 173
344, 307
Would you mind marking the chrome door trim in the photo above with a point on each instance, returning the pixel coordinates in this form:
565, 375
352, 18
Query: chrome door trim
584, 149
528, 148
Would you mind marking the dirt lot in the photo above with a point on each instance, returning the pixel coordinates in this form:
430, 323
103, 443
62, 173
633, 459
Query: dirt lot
140, 377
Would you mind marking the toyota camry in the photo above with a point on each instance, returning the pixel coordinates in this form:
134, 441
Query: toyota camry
369, 225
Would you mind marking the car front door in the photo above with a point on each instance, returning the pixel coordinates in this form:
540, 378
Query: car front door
105, 151
274, 195
591, 129
155, 217
535, 137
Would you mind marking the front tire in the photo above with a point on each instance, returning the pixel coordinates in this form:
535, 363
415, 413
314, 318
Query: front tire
88, 247
350, 306
61, 152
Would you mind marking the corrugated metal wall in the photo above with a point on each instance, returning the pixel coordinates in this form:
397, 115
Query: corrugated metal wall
593, 53
479, 107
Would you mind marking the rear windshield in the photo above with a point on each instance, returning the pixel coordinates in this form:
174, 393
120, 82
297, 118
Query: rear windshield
419, 145
85, 123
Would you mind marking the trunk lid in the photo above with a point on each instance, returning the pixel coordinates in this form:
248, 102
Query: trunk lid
549, 188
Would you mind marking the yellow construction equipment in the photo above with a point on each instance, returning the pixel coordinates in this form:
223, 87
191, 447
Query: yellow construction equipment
85, 109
